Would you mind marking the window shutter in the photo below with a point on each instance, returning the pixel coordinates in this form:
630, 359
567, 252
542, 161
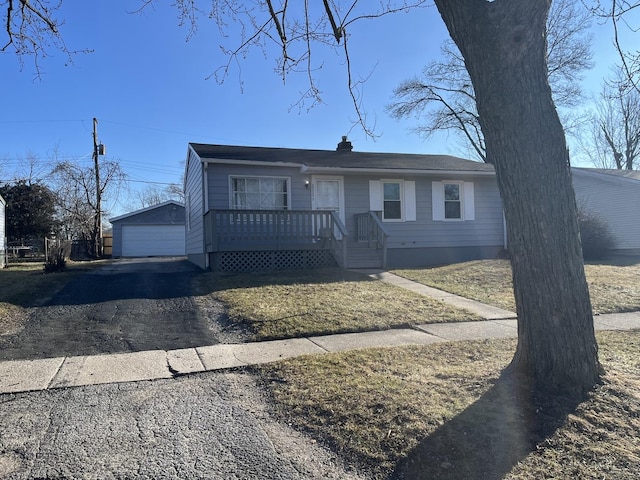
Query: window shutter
375, 196
410, 201
437, 201
469, 202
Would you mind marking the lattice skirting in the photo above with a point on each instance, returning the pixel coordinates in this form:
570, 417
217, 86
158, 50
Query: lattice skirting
270, 260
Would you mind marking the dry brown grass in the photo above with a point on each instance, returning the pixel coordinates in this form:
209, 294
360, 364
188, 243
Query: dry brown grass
26, 285
613, 288
441, 412
303, 303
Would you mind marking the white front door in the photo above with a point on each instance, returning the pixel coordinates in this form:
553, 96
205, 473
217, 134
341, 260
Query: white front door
328, 194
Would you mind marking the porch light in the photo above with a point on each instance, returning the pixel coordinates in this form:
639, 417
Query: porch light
306, 184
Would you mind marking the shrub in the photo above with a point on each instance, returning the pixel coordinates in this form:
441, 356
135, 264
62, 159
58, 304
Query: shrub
57, 255
595, 235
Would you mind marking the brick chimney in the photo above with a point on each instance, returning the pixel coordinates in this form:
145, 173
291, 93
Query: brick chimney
344, 145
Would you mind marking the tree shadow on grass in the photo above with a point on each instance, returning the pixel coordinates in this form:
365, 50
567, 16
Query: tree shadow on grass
486, 440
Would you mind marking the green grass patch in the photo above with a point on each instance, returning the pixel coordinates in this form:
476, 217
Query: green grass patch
613, 288
302, 303
441, 412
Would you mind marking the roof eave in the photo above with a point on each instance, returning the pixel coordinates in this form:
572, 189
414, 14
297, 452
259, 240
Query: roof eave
398, 171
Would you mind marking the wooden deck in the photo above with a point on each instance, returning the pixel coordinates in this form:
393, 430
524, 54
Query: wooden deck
295, 230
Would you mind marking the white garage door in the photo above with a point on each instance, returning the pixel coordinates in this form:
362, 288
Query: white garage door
153, 240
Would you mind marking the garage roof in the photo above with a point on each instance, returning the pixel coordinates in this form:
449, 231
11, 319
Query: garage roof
147, 209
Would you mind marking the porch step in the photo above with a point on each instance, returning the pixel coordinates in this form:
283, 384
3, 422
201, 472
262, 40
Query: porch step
361, 256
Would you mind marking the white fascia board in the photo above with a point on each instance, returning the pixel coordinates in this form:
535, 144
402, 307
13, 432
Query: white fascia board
396, 171
252, 162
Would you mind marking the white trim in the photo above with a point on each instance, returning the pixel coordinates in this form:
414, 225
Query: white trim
460, 184
340, 179
410, 207
375, 196
146, 209
401, 199
271, 177
467, 201
437, 201
251, 162
395, 171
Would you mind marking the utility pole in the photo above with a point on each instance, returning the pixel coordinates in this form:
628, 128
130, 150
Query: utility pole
98, 149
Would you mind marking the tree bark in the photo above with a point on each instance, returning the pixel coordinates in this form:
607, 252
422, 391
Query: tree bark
503, 44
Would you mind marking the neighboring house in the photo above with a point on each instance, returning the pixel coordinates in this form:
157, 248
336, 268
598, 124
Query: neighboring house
3, 232
154, 231
255, 208
614, 196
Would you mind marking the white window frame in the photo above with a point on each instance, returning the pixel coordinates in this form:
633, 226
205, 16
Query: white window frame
460, 185
467, 201
232, 205
400, 199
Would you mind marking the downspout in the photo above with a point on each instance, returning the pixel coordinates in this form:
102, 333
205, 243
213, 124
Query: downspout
504, 230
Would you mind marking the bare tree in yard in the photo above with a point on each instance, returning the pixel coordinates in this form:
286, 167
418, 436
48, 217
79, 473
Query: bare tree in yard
76, 189
503, 44
444, 92
615, 141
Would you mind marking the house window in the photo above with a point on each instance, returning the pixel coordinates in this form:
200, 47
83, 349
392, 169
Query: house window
259, 193
452, 201
391, 200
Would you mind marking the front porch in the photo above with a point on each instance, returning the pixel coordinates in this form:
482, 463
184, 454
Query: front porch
252, 240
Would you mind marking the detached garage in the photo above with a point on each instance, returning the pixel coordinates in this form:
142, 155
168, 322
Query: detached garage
156, 231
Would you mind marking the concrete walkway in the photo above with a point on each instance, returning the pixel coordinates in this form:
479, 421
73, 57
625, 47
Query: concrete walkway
61, 372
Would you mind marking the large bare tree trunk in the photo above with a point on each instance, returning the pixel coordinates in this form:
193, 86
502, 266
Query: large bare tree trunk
503, 44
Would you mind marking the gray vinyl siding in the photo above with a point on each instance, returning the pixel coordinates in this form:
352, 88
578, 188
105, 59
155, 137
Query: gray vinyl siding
194, 205
486, 230
219, 195
616, 201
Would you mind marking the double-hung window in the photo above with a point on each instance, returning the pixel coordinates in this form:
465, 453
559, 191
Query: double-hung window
452, 201
259, 193
391, 200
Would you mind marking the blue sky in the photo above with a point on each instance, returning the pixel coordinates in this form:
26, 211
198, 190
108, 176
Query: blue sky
148, 87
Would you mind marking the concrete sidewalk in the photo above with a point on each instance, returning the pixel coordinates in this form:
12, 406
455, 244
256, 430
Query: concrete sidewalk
42, 374
61, 372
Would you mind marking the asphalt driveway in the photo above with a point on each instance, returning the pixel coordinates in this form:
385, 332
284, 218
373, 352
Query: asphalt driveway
125, 306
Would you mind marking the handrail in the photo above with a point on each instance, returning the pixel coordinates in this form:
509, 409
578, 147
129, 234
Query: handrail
338, 222
369, 228
342, 241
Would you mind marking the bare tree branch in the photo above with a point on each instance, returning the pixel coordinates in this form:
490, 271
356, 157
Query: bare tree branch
31, 30
443, 97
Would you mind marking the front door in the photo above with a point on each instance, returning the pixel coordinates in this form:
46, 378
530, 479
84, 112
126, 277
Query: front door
328, 194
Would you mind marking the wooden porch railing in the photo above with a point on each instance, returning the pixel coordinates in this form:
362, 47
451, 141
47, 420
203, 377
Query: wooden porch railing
253, 230
370, 229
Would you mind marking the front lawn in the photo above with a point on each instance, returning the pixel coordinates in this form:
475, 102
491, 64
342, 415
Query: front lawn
441, 412
613, 288
317, 302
